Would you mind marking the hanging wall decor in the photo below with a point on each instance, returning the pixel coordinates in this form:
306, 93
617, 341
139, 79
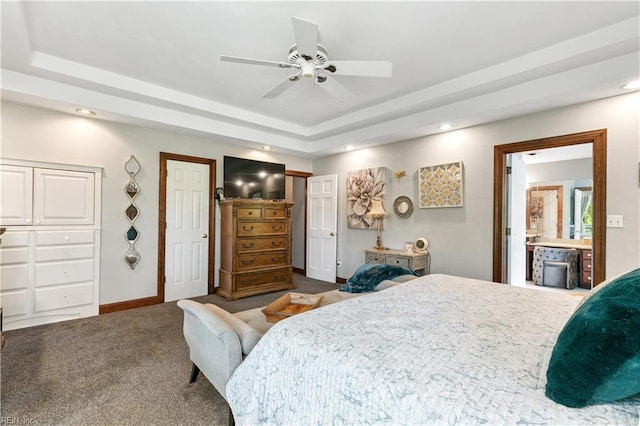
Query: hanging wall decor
440, 186
363, 187
132, 256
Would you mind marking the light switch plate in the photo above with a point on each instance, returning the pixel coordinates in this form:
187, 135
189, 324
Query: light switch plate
615, 221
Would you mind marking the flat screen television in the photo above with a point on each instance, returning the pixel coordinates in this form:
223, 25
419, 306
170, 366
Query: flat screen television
244, 178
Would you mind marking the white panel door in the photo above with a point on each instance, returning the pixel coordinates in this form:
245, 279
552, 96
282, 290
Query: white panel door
516, 221
322, 205
63, 197
186, 244
16, 196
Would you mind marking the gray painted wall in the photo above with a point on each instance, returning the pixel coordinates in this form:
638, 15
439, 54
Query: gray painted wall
44, 135
461, 238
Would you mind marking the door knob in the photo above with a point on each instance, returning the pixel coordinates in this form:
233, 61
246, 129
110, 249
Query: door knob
333, 234
204, 235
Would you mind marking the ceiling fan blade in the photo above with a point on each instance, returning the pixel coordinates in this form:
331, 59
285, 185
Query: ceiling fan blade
360, 68
257, 62
334, 88
282, 86
306, 34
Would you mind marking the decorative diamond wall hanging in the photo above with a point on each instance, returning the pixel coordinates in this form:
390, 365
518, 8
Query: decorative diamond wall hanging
440, 186
132, 256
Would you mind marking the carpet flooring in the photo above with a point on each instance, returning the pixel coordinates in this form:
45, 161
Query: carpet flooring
124, 368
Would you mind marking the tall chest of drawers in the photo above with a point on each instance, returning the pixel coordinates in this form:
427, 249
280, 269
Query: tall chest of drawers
255, 255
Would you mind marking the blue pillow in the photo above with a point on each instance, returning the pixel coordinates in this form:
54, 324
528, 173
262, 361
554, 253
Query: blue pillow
368, 276
596, 358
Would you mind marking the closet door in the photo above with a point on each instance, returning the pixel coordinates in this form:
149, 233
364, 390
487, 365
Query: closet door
63, 197
16, 195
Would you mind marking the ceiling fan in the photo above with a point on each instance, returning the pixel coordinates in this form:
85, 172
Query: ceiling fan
311, 60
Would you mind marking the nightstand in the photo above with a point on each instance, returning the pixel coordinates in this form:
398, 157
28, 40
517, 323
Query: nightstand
417, 262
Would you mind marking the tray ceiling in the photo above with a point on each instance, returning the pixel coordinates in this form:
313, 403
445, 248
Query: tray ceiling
158, 64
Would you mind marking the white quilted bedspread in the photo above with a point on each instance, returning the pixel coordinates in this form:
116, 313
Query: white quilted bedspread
436, 350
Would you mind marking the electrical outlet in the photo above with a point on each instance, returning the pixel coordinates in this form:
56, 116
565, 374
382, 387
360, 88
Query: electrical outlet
615, 221
339, 263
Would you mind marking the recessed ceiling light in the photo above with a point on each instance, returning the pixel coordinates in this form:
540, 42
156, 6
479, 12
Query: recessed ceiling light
266, 148
445, 126
86, 112
632, 85
348, 148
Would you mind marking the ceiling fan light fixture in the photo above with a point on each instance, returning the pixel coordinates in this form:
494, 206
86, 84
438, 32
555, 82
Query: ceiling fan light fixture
445, 126
308, 70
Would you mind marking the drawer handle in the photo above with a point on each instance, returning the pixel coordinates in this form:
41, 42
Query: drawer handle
247, 262
275, 259
250, 213
245, 245
275, 213
276, 227
247, 281
248, 229
279, 277
276, 243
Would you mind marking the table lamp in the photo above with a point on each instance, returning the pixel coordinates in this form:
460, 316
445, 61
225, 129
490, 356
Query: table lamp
378, 213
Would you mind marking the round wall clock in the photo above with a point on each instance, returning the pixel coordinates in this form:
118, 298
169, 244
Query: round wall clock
420, 245
403, 207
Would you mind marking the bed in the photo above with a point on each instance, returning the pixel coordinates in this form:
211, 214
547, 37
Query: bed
436, 350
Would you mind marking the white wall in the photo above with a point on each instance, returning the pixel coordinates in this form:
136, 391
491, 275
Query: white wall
38, 134
461, 238
560, 170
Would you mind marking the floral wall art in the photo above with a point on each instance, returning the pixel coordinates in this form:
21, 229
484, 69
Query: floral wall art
441, 185
364, 186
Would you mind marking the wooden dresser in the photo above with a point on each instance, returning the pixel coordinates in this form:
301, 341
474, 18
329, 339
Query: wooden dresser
585, 268
255, 246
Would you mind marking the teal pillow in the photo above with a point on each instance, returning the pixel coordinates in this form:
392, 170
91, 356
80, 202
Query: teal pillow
596, 358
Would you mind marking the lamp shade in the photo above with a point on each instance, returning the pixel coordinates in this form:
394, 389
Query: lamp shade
377, 211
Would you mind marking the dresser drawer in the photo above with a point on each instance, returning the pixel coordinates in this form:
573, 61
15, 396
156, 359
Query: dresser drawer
14, 303
257, 244
13, 276
586, 279
60, 297
253, 279
374, 258
586, 255
15, 239
44, 238
64, 272
249, 213
250, 229
586, 266
44, 254
261, 260
14, 255
274, 213
398, 261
